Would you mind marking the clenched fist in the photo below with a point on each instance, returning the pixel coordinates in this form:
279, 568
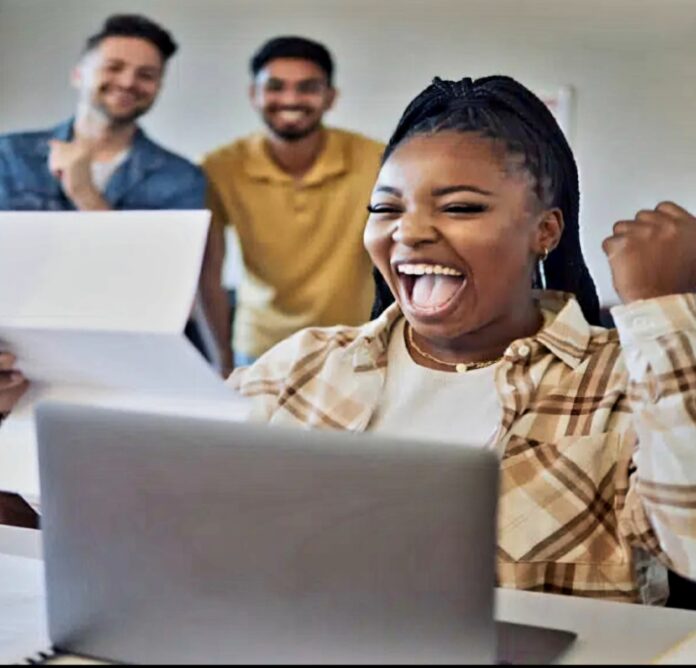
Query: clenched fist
12, 383
654, 254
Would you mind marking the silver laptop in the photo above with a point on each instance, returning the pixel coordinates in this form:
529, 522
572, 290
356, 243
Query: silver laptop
177, 540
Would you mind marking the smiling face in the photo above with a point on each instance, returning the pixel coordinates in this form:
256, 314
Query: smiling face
120, 78
292, 95
455, 229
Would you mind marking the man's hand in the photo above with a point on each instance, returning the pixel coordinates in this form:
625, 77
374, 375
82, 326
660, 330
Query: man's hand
70, 163
654, 254
12, 383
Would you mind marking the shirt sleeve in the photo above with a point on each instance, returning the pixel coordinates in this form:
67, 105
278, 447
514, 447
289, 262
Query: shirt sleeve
264, 382
190, 195
658, 338
213, 201
283, 385
5, 184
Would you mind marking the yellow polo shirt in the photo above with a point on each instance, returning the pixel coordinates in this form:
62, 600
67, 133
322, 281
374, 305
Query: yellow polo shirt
301, 239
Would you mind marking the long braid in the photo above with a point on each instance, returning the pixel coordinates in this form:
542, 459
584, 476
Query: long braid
500, 108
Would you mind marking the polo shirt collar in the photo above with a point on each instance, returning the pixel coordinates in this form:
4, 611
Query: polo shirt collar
330, 162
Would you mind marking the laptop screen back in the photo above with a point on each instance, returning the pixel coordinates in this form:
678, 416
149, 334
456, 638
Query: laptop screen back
185, 540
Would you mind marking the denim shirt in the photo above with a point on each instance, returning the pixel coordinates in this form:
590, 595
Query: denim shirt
150, 177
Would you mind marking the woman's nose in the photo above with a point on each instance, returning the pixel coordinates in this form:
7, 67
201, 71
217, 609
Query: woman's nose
412, 230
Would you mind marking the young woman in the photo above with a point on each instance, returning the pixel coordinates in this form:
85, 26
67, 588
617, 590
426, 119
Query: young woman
596, 429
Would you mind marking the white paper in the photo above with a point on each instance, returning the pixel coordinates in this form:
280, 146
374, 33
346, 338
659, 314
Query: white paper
165, 364
123, 271
19, 463
94, 305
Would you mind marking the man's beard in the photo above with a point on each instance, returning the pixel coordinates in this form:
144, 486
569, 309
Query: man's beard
291, 134
121, 119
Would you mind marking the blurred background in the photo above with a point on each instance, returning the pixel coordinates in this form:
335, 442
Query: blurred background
631, 65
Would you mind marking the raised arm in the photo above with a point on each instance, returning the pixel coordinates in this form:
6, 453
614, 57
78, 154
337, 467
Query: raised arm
653, 262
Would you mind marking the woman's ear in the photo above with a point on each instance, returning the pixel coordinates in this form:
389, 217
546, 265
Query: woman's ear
549, 230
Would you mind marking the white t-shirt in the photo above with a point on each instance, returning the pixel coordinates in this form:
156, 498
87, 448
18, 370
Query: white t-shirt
423, 403
103, 171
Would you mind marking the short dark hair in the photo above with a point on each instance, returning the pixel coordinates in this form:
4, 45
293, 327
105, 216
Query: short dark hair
135, 25
293, 47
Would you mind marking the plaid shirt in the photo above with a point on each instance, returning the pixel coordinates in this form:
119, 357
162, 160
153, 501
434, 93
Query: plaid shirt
598, 476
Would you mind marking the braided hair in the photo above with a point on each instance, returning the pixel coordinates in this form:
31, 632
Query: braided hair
500, 108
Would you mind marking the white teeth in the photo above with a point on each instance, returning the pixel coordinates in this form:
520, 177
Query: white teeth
421, 269
291, 115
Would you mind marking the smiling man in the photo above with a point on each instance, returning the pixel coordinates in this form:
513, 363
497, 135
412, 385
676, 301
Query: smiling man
296, 195
100, 159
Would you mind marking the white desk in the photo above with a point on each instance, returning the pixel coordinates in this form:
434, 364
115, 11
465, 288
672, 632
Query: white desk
614, 633
23, 630
20, 542
607, 632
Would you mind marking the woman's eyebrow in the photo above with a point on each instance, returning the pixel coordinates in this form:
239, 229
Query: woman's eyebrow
389, 190
439, 192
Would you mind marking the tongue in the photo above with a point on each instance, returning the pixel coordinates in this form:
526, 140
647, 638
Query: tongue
434, 290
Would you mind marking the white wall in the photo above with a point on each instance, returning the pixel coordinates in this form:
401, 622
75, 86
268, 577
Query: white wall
632, 63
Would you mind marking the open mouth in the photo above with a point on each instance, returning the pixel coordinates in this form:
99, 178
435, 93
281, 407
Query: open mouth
430, 289
291, 115
123, 98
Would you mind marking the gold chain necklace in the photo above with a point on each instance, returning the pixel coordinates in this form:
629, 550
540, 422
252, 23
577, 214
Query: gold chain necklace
459, 367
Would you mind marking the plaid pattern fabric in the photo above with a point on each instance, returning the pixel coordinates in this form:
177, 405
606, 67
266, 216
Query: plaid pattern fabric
598, 476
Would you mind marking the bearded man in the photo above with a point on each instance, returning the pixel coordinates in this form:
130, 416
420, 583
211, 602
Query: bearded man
296, 194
